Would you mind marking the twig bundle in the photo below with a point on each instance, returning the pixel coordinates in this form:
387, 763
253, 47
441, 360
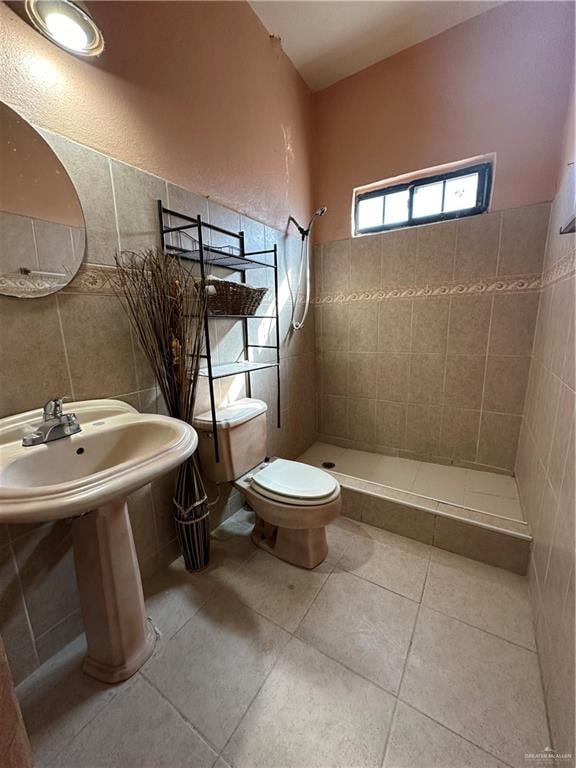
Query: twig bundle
166, 304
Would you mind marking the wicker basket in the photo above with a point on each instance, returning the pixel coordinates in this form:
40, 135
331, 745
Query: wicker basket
227, 298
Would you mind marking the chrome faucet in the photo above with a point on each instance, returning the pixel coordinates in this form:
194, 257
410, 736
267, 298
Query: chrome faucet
55, 424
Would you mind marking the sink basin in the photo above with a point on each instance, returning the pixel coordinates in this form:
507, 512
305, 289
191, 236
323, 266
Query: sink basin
117, 451
87, 476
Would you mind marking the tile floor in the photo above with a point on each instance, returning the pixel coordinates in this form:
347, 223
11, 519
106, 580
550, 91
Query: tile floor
485, 491
391, 654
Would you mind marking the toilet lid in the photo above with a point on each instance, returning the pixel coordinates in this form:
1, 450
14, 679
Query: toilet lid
293, 480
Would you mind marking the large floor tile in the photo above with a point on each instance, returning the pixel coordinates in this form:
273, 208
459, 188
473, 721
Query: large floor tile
486, 597
477, 685
173, 595
440, 482
139, 728
362, 625
280, 591
492, 483
312, 712
391, 561
58, 700
418, 742
213, 667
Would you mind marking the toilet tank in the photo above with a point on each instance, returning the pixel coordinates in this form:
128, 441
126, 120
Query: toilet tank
241, 439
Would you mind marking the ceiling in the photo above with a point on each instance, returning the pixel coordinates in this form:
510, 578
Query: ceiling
327, 40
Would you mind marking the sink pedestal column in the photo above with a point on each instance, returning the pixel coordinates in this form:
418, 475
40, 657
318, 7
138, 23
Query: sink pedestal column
119, 637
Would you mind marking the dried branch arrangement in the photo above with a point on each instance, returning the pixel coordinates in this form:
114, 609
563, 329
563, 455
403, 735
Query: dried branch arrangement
166, 303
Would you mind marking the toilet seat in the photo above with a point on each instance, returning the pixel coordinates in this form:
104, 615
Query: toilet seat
292, 482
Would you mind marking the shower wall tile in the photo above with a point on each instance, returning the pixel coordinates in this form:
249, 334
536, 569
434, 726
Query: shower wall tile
436, 245
441, 335
394, 325
469, 325
545, 469
498, 440
459, 433
423, 429
477, 243
430, 325
336, 266
393, 376
398, 259
513, 321
523, 239
363, 328
505, 386
361, 420
464, 381
426, 378
391, 424
365, 263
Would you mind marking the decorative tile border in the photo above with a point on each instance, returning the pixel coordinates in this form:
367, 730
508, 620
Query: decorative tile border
565, 267
93, 278
471, 288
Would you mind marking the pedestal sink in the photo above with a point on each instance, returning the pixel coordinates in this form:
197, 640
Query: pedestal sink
88, 476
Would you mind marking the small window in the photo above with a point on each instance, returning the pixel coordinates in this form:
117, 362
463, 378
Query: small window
450, 195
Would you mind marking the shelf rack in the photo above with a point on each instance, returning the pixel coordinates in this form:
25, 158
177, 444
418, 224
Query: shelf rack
192, 229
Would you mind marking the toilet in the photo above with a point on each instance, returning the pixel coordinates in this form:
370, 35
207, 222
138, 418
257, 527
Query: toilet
293, 502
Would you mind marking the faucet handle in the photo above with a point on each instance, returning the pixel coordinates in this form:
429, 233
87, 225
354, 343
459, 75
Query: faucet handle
53, 408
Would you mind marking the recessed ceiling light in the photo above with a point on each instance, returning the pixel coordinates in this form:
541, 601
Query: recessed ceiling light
68, 24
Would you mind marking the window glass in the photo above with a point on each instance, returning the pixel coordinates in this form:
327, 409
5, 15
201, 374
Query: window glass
461, 192
427, 200
396, 207
449, 195
370, 212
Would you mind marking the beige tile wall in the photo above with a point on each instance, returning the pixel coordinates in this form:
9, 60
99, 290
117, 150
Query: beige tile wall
424, 337
545, 472
79, 342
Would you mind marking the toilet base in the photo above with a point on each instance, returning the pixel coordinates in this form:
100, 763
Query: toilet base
304, 547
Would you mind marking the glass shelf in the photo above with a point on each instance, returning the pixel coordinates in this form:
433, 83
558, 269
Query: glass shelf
221, 257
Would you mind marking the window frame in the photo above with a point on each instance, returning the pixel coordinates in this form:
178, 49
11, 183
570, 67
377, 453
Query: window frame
485, 175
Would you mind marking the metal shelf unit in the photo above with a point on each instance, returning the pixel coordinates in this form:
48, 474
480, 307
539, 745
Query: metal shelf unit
191, 229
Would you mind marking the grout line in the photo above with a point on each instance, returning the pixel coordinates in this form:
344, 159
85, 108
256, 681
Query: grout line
459, 735
474, 626
36, 243
485, 377
24, 603
114, 204
194, 728
66, 357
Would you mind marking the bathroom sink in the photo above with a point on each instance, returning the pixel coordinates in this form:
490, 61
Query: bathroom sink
87, 475
117, 451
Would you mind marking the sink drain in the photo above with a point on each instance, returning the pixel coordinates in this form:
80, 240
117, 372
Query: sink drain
328, 465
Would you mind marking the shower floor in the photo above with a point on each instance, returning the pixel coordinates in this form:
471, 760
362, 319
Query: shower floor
485, 499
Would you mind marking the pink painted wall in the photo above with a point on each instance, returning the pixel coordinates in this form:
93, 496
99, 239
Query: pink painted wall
196, 92
496, 83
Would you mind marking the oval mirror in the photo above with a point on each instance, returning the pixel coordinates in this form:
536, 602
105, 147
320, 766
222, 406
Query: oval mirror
42, 228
